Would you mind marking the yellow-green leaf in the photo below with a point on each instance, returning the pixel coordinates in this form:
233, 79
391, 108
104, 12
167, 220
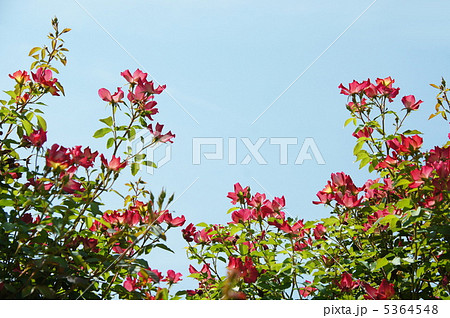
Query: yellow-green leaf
135, 168
101, 132
41, 121
348, 121
381, 263
33, 50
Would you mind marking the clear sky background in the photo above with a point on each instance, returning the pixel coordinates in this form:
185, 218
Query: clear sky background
225, 62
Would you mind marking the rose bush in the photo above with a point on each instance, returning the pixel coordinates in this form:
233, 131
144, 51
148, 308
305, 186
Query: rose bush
390, 234
385, 239
56, 238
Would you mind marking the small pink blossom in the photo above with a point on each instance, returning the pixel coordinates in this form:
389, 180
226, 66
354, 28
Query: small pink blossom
410, 102
189, 232
158, 135
148, 87
347, 283
83, 158
133, 79
172, 277
366, 132
21, 77
114, 164
174, 222
130, 284
37, 137
319, 231
385, 291
107, 97
58, 157
239, 194
354, 87
241, 215
45, 78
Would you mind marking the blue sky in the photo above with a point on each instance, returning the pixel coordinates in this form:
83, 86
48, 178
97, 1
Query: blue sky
224, 63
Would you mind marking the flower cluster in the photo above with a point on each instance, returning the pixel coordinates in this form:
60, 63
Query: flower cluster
44, 77
377, 227
43, 81
258, 228
147, 278
385, 291
246, 269
140, 95
53, 197
340, 189
61, 158
138, 214
37, 138
380, 87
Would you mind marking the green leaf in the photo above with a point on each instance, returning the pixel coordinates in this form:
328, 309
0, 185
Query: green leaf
243, 249
34, 50
8, 227
416, 212
329, 222
147, 273
164, 247
131, 134
376, 185
358, 147
364, 162
412, 132
46, 291
58, 84
139, 157
391, 219
12, 94
408, 260
63, 60
402, 182
6, 202
27, 126
101, 132
232, 209
404, 203
235, 230
110, 143
158, 231
29, 116
420, 271
33, 64
361, 155
149, 163
108, 121
135, 168
381, 263
348, 121
41, 121
27, 291
396, 261
89, 222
